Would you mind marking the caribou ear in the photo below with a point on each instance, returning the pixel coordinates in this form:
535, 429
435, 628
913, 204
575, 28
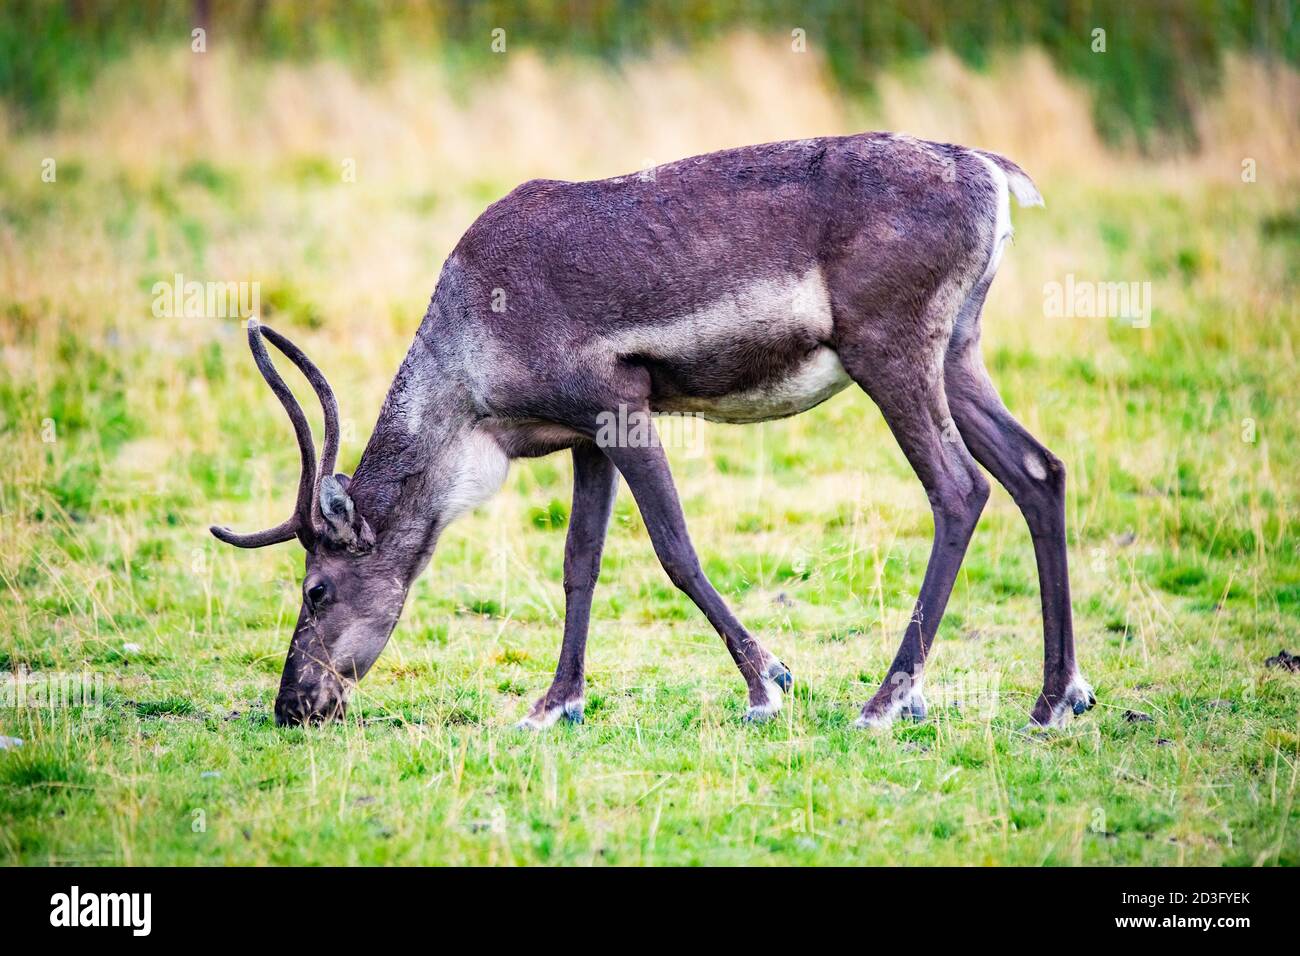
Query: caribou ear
344, 525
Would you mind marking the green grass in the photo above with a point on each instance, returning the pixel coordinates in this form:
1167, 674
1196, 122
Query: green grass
1181, 442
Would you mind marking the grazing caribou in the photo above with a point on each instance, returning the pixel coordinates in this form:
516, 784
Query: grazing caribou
744, 285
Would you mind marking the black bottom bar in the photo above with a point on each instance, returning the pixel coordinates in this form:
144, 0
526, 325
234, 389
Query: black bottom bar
314, 906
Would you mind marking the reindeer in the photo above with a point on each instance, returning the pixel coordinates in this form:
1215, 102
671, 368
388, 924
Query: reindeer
744, 285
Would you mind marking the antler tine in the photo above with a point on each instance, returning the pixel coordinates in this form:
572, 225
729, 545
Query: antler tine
321, 386
285, 531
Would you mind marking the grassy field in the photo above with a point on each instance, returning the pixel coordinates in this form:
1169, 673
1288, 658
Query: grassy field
124, 436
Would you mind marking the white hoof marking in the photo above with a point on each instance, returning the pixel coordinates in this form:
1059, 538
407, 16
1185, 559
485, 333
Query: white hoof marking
548, 718
758, 713
912, 702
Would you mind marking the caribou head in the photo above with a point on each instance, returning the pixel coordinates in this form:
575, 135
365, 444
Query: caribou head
350, 601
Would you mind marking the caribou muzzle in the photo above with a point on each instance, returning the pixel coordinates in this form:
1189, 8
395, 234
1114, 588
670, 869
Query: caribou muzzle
303, 707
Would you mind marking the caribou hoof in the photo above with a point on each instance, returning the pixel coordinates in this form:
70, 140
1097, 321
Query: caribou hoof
872, 721
915, 709
768, 706
878, 713
1052, 708
543, 715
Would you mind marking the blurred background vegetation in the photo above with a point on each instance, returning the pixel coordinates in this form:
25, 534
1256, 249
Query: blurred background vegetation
1161, 55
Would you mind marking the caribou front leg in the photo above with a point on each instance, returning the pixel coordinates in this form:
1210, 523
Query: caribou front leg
595, 482
647, 474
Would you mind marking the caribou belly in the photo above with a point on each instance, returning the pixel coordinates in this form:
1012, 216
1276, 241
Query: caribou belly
776, 321
809, 383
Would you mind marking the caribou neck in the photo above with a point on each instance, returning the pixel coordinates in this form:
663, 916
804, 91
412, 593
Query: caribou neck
429, 458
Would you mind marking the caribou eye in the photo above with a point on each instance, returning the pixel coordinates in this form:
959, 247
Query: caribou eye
316, 593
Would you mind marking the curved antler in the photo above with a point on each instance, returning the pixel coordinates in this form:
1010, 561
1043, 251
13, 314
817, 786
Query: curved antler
329, 406
301, 523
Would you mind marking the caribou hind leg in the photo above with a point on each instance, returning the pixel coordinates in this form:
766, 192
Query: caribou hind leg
595, 483
902, 371
1036, 480
918, 417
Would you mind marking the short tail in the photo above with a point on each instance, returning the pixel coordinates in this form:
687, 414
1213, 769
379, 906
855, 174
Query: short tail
1018, 181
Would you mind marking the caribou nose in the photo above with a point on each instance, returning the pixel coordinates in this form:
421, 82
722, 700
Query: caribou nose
291, 710
295, 708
